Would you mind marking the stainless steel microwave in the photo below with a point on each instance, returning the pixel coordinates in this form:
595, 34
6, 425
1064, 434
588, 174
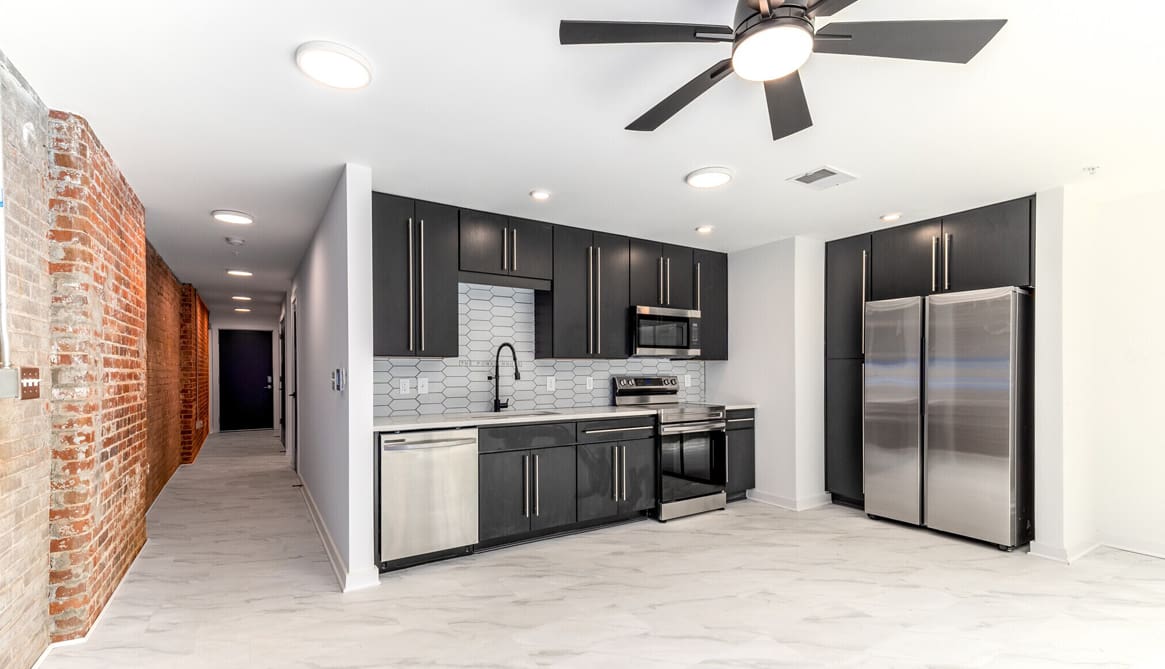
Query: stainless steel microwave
661, 332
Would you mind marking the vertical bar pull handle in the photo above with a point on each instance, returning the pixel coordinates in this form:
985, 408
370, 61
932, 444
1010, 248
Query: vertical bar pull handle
615, 473
865, 262
624, 467
697, 286
514, 241
537, 488
599, 300
947, 261
506, 247
412, 292
661, 302
590, 300
933, 264
526, 486
421, 299
669, 280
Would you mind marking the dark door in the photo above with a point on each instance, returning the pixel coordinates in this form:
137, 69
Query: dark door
597, 481
646, 273
639, 475
571, 334
503, 495
989, 247
613, 319
393, 276
741, 461
437, 235
485, 242
845, 261
905, 260
245, 381
843, 428
554, 480
711, 282
531, 249
677, 277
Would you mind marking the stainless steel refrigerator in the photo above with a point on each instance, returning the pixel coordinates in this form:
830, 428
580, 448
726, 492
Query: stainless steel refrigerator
947, 440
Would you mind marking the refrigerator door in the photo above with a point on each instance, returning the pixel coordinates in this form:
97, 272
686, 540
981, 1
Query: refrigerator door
891, 415
971, 413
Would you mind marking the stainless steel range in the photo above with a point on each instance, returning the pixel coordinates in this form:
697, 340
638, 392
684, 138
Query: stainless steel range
691, 445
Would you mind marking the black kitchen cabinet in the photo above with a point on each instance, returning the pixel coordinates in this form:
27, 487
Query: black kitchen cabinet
553, 483
615, 478
905, 261
847, 288
524, 491
414, 290
741, 447
661, 275
988, 247
843, 429
586, 314
711, 300
496, 244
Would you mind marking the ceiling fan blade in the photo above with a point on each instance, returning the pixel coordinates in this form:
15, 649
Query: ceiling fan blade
788, 109
941, 41
829, 7
672, 104
623, 32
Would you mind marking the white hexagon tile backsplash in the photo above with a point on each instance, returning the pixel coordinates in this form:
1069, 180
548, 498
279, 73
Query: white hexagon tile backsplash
489, 316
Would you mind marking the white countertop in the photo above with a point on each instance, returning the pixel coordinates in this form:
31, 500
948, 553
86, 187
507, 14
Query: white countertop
737, 406
489, 419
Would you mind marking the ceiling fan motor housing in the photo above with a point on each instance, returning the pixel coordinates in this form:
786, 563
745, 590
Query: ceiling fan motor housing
749, 16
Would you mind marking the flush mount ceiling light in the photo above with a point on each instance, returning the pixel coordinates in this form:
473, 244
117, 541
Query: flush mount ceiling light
333, 65
539, 195
773, 48
231, 216
239, 272
241, 298
242, 310
892, 218
705, 229
709, 177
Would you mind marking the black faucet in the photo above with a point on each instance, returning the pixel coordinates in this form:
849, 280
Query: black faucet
498, 403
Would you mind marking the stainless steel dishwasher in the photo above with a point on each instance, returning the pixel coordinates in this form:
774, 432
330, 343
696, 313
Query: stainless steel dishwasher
428, 493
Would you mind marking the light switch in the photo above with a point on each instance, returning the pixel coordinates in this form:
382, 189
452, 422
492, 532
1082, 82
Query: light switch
406, 386
687, 380
422, 385
550, 384
590, 383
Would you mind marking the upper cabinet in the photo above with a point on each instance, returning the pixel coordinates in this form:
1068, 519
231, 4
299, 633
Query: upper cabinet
586, 314
661, 275
905, 260
414, 292
989, 247
847, 288
710, 278
496, 244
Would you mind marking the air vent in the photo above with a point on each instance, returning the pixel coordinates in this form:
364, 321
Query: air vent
823, 178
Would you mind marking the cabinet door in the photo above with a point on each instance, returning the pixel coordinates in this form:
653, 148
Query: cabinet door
571, 335
437, 280
678, 290
989, 247
843, 428
844, 299
392, 300
485, 242
531, 249
711, 281
553, 478
905, 261
503, 495
596, 481
639, 475
741, 461
612, 316
646, 273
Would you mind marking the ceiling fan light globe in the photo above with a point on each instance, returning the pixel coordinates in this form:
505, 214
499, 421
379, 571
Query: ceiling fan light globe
772, 51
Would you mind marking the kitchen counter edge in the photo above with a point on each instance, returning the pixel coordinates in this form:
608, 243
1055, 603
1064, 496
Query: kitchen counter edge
454, 421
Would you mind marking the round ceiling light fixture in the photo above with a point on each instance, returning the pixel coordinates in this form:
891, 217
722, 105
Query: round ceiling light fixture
241, 298
334, 65
709, 177
892, 218
239, 272
705, 229
773, 48
232, 216
539, 195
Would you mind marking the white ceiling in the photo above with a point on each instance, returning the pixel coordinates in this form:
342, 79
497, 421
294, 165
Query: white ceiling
475, 103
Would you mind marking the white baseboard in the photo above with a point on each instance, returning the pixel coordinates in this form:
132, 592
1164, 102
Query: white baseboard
349, 580
1048, 552
1150, 549
802, 504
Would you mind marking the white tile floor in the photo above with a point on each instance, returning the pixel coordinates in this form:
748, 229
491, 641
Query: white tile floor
234, 576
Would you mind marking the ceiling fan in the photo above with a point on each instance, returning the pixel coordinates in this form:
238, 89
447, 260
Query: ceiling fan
774, 38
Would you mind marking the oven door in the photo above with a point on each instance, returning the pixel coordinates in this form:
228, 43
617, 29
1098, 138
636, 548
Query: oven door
692, 461
662, 332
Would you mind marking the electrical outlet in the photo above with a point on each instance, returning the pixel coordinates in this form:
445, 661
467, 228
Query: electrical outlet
550, 384
406, 386
29, 383
687, 380
590, 383
422, 385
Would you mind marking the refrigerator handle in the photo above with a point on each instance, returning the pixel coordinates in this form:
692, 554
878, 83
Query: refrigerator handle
863, 428
865, 256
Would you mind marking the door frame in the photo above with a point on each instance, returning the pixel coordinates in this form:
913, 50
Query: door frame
215, 377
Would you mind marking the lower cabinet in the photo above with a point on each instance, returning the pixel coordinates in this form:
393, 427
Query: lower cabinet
525, 491
843, 429
741, 455
615, 479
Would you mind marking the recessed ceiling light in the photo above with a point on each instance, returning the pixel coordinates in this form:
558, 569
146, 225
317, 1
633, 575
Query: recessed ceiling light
239, 272
709, 177
540, 195
705, 229
241, 298
892, 218
333, 65
242, 310
233, 217
773, 49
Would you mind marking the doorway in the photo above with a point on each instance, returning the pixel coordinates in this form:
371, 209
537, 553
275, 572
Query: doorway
246, 399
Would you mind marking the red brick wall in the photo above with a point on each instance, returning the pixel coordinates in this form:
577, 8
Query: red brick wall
165, 300
97, 256
195, 357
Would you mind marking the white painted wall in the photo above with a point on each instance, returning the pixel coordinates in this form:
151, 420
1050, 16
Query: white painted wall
776, 345
333, 294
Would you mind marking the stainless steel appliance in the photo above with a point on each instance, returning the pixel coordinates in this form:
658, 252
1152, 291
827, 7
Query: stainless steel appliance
428, 493
662, 332
947, 413
692, 445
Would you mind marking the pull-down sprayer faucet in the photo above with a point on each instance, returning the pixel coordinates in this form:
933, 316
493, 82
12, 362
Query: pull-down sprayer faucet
498, 403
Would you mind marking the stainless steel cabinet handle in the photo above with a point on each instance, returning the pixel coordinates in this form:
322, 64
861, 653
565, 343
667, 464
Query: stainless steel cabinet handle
697, 286
388, 446
624, 466
599, 300
933, 264
608, 430
421, 299
526, 486
741, 420
693, 427
590, 300
537, 488
669, 280
412, 292
947, 261
514, 241
615, 473
506, 247
865, 260
661, 280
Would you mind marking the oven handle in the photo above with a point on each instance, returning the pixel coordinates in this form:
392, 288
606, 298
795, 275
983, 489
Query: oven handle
712, 426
